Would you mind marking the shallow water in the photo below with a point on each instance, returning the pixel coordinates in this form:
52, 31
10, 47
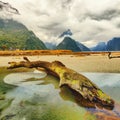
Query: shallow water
108, 82
38, 97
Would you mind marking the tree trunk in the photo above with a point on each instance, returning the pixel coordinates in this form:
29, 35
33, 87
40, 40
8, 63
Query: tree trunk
84, 90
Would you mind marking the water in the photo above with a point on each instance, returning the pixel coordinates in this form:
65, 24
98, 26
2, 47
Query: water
25, 78
108, 82
38, 97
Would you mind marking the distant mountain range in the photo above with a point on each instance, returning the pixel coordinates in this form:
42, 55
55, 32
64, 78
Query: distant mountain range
101, 46
111, 45
14, 35
50, 45
114, 44
70, 44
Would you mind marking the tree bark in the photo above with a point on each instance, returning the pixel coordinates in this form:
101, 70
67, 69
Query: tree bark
84, 90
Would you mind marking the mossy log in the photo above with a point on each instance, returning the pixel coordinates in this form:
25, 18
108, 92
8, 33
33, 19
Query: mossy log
79, 84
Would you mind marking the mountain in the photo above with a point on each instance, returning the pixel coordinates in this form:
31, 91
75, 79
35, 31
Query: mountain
82, 47
114, 44
50, 46
66, 33
14, 35
111, 45
68, 44
101, 46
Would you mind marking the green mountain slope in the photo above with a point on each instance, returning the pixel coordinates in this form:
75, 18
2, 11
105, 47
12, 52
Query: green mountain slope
14, 35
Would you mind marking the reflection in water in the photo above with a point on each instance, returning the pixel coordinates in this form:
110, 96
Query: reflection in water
39, 98
24, 78
104, 79
108, 82
41, 101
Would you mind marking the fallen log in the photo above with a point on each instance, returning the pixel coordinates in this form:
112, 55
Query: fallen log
84, 90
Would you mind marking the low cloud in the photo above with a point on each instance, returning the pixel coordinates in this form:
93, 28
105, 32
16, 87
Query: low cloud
91, 21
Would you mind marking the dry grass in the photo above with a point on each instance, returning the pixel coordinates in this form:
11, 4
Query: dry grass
81, 62
34, 52
53, 52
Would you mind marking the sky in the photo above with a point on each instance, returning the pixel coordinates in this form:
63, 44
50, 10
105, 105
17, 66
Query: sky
91, 21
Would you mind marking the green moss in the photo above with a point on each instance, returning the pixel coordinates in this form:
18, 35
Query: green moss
3, 72
103, 96
4, 87
90, 116
59, 113
5, 103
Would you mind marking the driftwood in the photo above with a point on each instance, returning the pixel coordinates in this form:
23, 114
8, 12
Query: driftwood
85, 91
110, 56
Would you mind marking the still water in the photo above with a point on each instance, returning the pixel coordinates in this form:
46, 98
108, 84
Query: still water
36, 96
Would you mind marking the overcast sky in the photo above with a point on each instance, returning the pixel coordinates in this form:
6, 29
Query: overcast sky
90, 21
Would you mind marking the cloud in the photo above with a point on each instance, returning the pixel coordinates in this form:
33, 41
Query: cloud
89, 43
66, 33
91, 21
106, 15
7, 10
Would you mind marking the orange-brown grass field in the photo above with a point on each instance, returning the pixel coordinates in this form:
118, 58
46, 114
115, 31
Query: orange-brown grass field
51, 52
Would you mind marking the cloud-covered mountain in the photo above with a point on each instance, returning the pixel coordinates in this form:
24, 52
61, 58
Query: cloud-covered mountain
14, 35
66, 33
89, 20
70, 44
102, 23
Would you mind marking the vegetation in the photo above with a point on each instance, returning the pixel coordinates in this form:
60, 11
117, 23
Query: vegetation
14, 35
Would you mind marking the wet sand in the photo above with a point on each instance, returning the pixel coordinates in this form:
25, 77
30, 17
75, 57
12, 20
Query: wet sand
92, 63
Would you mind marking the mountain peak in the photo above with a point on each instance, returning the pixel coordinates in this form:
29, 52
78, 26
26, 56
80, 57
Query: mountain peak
66, 33
68, 39
68, 44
